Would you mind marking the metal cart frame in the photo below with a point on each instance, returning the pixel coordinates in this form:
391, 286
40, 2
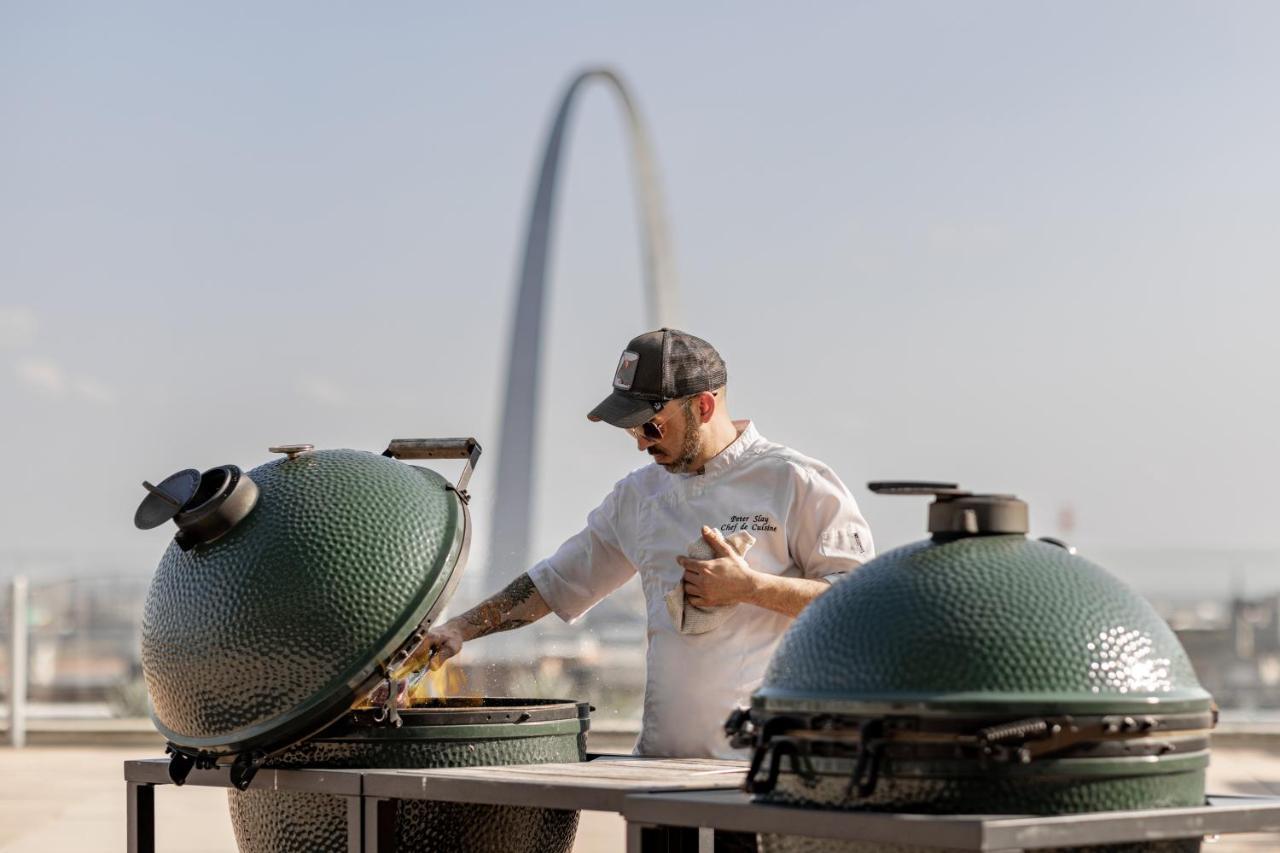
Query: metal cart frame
677, 805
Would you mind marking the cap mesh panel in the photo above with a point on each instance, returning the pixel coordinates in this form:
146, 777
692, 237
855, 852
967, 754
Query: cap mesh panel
691, 365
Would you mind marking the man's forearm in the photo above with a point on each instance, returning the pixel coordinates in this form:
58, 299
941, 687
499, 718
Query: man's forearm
518, 604
785, 595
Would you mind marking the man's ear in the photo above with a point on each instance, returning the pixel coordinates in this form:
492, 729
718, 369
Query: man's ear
707, 405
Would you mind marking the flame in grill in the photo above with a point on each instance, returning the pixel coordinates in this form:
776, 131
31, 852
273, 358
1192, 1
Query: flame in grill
446, 682
421, 686
427, 688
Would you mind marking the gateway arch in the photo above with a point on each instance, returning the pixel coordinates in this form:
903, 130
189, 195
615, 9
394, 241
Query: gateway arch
513, 504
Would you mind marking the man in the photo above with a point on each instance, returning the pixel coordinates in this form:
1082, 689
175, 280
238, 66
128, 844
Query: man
711, 476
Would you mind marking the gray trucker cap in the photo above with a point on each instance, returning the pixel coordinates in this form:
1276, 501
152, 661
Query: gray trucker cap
657, 367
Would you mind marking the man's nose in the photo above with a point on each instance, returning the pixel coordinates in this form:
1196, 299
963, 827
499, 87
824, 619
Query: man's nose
643, 443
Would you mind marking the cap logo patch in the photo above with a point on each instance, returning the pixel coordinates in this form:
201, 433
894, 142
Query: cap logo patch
626, 373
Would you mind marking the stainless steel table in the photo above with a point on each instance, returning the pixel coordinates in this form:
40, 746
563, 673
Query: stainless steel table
677, 805
733, 810
602, 783
142, 776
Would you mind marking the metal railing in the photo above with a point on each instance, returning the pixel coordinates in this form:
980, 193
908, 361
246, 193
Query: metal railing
18, 633
68, 649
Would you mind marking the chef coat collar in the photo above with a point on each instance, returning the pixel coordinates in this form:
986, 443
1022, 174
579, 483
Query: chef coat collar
725, 459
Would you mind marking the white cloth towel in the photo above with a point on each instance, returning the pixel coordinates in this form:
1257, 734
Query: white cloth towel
690, 618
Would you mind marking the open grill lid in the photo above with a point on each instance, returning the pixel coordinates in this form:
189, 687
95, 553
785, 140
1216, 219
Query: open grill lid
263, 635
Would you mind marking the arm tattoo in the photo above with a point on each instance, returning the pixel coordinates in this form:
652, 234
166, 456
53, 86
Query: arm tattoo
494, 614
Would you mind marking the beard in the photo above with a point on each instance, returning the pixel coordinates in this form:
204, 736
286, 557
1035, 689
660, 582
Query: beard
691, 446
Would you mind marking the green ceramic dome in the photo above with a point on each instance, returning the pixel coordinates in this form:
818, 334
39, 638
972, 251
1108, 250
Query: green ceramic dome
984, 622
977, 672
269, 632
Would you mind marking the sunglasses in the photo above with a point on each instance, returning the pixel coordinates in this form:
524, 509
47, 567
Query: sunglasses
649, 430
652, 430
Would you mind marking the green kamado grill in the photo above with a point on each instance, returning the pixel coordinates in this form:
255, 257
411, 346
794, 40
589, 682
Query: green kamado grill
977, 672
279, 627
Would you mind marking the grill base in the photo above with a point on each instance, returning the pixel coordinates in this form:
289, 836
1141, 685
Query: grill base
275, 821
454, 734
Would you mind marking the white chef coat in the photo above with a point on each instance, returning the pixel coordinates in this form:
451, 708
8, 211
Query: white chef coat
806, 524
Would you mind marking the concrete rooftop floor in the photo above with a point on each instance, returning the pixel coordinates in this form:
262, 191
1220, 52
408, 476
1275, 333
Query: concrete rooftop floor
72, 800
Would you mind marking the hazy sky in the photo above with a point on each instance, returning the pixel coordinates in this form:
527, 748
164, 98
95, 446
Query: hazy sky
1032, 248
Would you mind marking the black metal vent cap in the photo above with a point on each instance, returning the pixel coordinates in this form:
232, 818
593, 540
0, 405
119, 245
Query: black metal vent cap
203, 506
166, 500
956, 513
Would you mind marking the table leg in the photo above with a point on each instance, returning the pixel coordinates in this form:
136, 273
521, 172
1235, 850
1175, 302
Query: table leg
379, 825
141, 818
634, 837
355, 825
662, 839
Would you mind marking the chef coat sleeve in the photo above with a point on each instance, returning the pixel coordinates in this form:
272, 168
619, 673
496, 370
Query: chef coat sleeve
826, 533
587, 567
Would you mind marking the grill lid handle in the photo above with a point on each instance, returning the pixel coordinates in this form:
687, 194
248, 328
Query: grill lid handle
439, 448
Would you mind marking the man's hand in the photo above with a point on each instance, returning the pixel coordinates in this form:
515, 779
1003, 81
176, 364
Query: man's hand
727, 579
724, 579
444, 641
518, 604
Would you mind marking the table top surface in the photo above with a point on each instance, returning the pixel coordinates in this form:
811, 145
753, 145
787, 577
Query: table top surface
734, 811
155, 771
598, 784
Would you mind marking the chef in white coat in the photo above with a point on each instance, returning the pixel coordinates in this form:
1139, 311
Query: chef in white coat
713, 477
